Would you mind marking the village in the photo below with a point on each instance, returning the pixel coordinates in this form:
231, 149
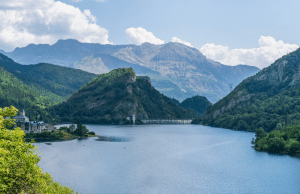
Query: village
31, 126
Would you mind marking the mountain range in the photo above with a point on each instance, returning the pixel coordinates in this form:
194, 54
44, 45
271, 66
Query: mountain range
175, 69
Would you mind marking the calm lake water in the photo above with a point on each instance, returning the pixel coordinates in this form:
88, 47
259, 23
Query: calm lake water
168, 159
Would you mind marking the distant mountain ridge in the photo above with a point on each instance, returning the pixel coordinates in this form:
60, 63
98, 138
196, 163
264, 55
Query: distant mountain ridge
175, 69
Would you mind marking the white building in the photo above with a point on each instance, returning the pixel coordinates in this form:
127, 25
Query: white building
28, 126
21, 117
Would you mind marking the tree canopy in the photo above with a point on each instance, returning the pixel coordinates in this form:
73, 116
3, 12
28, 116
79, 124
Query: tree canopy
19, 172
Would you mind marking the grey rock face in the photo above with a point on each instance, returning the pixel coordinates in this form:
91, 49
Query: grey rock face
175, 69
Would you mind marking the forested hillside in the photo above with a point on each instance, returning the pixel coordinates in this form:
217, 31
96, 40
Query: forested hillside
197, 103
110, 98
270, 99
55, 81
15, 92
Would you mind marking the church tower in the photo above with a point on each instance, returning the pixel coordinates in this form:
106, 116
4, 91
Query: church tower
22, 113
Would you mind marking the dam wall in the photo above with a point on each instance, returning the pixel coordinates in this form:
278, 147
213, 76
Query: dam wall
166, 121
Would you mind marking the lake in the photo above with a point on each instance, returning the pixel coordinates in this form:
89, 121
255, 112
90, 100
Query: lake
168, 159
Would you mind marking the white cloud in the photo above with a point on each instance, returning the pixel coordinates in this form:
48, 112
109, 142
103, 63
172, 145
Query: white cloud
46, 21
82, 0
269, 50
88, 13
140, 35
175, 39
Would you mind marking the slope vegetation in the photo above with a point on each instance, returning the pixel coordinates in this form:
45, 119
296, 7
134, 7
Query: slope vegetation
110, 98
55, 81
270, 99
197, 103
14, 92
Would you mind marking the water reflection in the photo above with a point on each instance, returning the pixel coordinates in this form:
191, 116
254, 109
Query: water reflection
113, 139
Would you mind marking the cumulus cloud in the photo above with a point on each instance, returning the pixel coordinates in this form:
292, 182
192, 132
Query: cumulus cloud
82, 0
269, 50
175, 39
140, 35
46, 21
88, 13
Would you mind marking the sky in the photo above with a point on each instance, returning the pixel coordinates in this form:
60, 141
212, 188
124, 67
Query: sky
229, 31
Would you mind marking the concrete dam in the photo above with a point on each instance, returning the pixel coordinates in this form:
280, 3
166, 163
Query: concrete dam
166, 121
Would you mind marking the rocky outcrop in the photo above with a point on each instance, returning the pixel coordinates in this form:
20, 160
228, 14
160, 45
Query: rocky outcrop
117, 95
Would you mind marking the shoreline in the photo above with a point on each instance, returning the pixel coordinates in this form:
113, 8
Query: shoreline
58, 140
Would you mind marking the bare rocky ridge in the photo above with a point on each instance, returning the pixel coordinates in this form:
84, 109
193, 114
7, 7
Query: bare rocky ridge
175, 69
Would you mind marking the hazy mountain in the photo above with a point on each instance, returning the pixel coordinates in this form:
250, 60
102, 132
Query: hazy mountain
110, 98
269, 99
188, 68
185, 69
63, 52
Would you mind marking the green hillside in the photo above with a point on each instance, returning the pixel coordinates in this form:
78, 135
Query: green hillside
110, 98
54, 81
285, 141
15, 92
197, 103
270, 99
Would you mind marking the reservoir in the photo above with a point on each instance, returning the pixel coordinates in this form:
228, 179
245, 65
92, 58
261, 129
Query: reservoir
166, 159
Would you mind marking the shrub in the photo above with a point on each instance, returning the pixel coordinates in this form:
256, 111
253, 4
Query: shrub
91, 133
295, 148
276, 145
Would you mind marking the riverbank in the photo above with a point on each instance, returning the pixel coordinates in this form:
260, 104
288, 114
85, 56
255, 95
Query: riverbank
284, 141
54, 136
65, 138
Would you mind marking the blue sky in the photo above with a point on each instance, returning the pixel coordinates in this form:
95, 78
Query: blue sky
232, 32
237, 24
